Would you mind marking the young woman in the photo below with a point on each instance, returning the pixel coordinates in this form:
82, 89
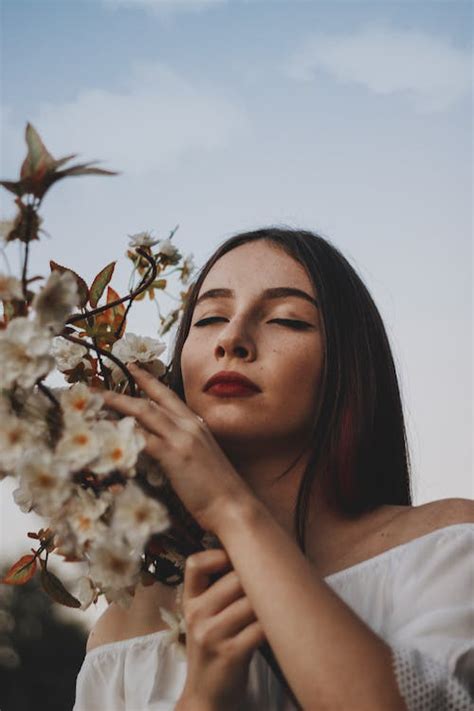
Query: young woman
283, 434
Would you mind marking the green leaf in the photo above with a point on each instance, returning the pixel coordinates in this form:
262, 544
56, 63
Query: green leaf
22, 571
81, 284
38, 158
55, 589
100, 282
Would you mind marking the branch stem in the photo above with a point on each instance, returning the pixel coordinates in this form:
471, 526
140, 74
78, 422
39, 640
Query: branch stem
108, 354
78, 317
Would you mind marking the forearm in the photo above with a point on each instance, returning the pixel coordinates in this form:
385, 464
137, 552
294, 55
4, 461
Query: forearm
326, 652
186, 703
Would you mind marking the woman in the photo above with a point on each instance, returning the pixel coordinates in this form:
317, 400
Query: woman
304, 478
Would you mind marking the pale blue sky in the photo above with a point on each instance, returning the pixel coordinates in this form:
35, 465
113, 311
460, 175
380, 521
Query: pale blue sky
353, 119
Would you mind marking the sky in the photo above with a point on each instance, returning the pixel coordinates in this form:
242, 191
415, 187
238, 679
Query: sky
350, 119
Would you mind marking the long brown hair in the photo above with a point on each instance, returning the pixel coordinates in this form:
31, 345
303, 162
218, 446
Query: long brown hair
359, 448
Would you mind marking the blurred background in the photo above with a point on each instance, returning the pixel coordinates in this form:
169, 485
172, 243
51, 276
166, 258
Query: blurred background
351, 119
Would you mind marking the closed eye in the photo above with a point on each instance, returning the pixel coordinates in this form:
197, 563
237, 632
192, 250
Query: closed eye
291, 323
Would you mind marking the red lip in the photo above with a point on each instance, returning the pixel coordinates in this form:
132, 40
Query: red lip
231, 376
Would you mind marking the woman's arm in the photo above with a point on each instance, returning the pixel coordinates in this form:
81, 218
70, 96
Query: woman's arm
326, 652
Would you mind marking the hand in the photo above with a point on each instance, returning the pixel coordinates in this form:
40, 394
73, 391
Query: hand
199, 471
222, 634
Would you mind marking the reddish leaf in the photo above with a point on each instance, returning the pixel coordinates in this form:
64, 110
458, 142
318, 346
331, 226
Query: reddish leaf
82, 323
55, 589
14, 187
60, 161
113, 296
22, 571
83, 169
118, 311
100, 282
158, 284
38, 160
81, 284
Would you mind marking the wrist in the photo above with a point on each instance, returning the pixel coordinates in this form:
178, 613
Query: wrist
232, 513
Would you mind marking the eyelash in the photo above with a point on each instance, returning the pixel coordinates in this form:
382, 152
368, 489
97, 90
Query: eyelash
302, 325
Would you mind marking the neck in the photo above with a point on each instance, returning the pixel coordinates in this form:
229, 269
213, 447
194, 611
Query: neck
274, 474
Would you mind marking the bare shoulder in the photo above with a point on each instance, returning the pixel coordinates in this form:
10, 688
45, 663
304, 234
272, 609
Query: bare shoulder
415, 521
142, 617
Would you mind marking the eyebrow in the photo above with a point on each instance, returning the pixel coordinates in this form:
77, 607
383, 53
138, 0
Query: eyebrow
276, 292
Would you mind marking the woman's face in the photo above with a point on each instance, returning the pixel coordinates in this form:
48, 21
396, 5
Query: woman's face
285, 360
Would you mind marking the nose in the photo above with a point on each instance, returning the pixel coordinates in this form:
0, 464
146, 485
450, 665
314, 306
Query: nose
234, 340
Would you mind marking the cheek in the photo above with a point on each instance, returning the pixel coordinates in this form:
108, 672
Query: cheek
292, 400
303, 381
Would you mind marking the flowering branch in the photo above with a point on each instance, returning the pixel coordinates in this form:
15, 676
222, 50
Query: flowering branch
102, 351
143, 287
103, 497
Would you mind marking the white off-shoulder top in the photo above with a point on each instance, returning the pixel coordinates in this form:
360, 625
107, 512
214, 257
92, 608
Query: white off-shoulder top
418, 597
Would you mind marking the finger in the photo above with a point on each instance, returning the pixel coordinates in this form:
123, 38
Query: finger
233, 618
221, 594
251, 637
199, 568
155, 418
158, 391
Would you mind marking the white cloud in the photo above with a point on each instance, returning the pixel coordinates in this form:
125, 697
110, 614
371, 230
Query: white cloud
157, 120
433, 73
165, 6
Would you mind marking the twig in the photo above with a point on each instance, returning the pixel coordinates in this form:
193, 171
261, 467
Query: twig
25, 266
113, 358
48, 394
100, 309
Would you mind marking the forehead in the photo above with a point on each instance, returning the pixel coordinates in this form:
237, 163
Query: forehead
255, 266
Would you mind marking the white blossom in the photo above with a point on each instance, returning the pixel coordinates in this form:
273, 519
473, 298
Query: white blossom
24, 353
113, 565
166, 247
142, 349
16, 438
79, 521
120, 444
68, 355
137, 349
187, 268
85, 592
10, 288
23, 498
177, 625
137, 516
79, 443
80, 400
56, 300
44, 482
142, 239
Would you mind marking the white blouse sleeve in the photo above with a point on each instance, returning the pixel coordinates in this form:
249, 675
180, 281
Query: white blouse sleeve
432, 621
141, 674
